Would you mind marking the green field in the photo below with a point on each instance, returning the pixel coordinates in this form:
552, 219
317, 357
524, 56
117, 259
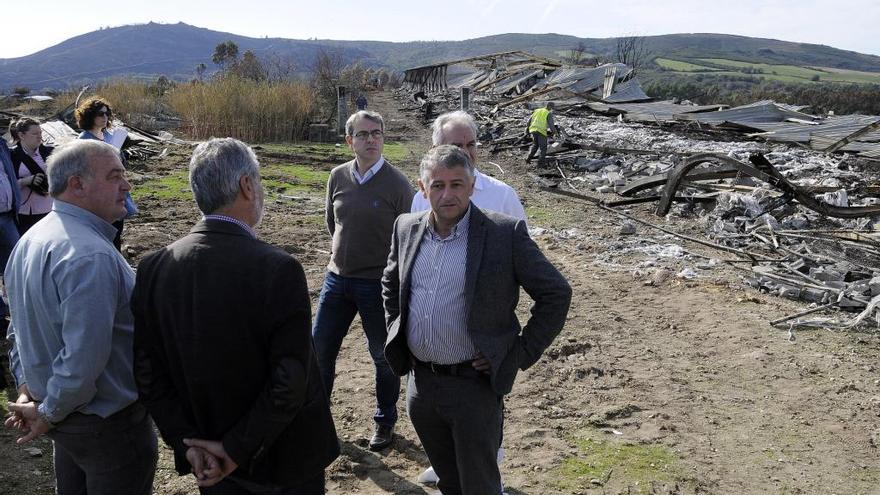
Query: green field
774, 72
288, 169
680, 66
793, 73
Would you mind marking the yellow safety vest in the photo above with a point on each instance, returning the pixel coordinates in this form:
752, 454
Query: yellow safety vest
539, 121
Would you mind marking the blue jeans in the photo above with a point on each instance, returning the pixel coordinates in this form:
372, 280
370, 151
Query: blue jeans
342, 298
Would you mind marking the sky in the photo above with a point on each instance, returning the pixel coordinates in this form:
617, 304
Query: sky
845, 24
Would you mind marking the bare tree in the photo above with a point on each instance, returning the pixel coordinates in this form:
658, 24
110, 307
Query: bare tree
326, 74
577, 55
354, 77
279, 68
632, 51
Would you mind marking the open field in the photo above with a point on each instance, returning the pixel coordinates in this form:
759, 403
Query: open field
804, 74
680, 66
774, 72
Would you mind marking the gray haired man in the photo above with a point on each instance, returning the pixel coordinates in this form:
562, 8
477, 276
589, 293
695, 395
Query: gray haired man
451, 288
460, 129
223, 347
72, 331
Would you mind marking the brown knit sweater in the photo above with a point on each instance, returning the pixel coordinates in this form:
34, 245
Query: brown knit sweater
360, 218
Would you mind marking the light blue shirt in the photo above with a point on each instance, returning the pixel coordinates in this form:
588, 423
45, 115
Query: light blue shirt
72, 328
362, 179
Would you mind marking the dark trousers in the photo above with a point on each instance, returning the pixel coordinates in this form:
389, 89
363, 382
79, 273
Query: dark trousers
8, 238
539, 141
25, 222
234, 486
458, 421
342, 298
105, 456
117, 241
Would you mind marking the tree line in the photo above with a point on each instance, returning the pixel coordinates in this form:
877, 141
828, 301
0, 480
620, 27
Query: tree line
734, 91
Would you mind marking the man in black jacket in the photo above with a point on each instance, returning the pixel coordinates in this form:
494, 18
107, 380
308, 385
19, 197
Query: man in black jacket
224, 358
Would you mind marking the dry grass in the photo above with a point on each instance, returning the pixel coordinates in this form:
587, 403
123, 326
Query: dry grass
134, 102
248, 110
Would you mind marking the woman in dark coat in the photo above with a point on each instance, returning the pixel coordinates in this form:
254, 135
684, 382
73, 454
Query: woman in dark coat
29, 162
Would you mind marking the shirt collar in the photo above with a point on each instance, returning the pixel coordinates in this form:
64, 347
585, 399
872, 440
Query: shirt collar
460, 229
102, 226
223, 218
370, 172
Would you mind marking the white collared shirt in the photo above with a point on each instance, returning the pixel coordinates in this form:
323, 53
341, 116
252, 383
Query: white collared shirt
362, 179
489, 194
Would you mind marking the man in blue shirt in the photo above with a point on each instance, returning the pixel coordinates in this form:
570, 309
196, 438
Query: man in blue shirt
72, 331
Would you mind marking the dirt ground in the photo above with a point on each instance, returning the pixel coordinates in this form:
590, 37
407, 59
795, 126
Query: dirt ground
658, 383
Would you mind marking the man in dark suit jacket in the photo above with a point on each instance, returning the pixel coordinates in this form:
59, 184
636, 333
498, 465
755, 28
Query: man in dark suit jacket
450, 290
224, 358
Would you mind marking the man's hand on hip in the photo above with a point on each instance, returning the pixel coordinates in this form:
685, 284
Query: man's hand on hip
481, 363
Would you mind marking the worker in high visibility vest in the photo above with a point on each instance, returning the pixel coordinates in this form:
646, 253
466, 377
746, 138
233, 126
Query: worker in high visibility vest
540, 126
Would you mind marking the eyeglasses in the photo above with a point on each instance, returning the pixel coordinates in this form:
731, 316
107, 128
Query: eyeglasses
376, 134
104, 113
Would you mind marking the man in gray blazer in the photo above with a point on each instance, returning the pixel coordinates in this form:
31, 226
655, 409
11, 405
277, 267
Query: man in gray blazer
450, 291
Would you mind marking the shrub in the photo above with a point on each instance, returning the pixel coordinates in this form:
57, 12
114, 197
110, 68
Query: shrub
135, 102
253, 111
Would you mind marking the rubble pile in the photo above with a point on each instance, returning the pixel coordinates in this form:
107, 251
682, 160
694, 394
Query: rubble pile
798, 212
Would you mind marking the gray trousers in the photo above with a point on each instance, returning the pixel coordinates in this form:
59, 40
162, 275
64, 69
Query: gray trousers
539, 141
105, 456
458, 421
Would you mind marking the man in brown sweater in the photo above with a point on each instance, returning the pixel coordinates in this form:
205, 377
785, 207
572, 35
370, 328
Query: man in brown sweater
364, 197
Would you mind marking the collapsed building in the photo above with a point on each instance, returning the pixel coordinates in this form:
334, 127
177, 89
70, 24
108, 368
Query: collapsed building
793, 196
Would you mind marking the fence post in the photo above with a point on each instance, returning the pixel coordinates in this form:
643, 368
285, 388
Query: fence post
465, 98
341, 109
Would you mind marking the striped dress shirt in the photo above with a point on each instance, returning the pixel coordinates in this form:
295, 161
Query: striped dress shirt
223, 218
437, 323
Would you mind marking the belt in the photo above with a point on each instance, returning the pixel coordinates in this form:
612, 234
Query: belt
457, 369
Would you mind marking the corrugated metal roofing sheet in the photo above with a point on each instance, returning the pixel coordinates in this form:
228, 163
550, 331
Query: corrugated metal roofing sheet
626, 91
585, 79
765, 111
827, 132
510, 83
651, 111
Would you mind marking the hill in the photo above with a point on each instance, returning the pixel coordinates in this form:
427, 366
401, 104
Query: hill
144, 51
148, 50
